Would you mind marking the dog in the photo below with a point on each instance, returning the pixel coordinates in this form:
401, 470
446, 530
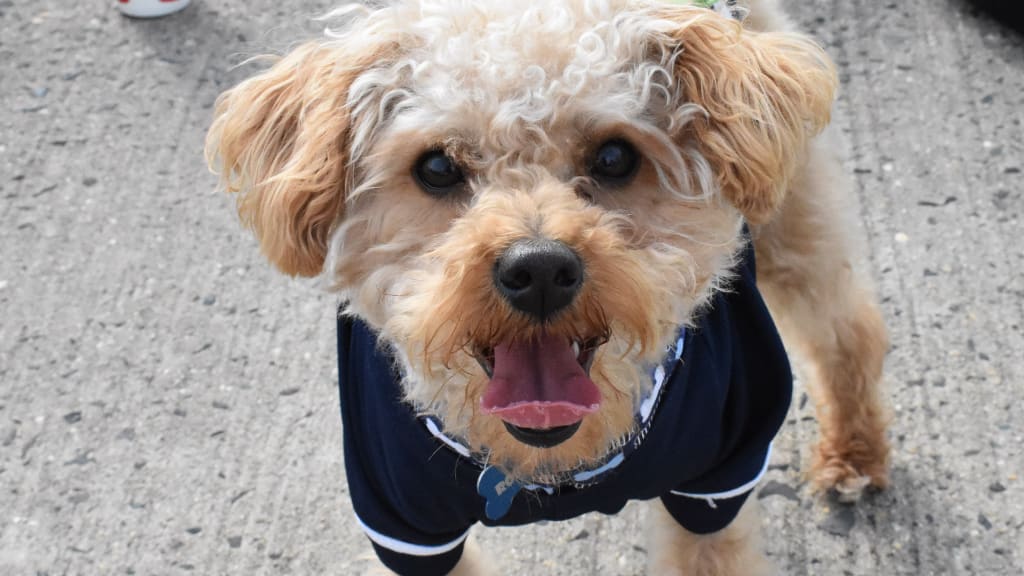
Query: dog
557, 228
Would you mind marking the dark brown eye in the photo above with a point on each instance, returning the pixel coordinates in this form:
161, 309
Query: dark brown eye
437, 174
615, 163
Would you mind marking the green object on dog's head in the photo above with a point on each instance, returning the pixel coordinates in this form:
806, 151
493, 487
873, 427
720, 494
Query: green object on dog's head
701, 3
727, 8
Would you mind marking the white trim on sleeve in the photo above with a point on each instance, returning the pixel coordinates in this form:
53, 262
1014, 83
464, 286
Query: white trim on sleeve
401, 547
738, 491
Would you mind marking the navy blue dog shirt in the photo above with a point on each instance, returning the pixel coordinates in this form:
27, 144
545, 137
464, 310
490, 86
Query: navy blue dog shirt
702, 443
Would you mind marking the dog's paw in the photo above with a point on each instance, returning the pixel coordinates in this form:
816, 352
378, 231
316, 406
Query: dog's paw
850, 489
849, 473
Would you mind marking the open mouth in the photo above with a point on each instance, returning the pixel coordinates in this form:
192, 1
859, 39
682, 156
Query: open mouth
540, 388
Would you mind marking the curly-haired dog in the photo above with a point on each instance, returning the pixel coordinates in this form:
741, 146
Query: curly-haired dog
542, 217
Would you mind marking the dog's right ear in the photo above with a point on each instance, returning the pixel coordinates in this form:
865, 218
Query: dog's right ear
280, 141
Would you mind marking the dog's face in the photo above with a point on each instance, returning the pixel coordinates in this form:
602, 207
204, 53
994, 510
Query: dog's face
526, 199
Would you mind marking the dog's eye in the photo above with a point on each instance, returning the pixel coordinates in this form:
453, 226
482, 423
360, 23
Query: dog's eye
615, 163
438, 174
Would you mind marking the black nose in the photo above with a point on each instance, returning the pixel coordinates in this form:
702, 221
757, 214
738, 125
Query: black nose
538, 277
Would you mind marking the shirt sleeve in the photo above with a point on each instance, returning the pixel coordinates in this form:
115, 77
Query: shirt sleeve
402, 564
701, 516
760, 390
402, 539
712, 503
403, 493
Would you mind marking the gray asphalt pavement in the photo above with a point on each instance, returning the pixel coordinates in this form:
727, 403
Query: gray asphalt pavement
168, 402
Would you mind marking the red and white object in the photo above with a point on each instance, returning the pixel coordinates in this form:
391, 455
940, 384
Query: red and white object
150, 8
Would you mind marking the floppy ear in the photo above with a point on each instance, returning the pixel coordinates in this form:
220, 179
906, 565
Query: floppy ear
765, 95
279, 140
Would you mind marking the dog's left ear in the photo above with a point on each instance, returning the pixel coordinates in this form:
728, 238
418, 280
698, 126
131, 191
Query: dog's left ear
765, 95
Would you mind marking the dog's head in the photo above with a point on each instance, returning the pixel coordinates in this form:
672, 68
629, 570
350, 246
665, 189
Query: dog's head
525, 199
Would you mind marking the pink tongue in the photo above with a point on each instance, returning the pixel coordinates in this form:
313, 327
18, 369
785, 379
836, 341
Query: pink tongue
539, 384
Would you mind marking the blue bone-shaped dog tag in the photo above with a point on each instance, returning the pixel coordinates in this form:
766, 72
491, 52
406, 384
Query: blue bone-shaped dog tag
498, 490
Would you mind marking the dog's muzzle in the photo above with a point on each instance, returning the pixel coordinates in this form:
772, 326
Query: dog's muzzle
539, 386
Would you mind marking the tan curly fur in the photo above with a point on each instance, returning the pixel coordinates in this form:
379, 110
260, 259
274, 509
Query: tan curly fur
319, 151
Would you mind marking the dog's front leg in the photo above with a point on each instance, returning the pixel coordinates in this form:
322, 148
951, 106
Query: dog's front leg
474, 562
810, 270
732, 551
